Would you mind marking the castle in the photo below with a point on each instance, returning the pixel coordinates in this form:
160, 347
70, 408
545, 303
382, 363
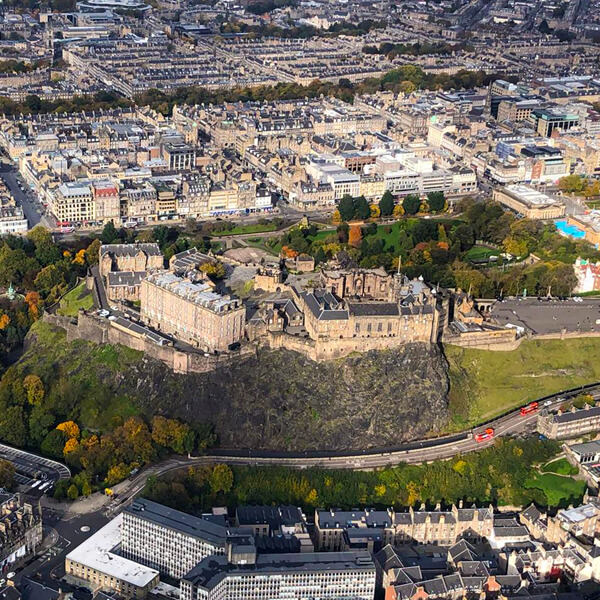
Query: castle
346, 311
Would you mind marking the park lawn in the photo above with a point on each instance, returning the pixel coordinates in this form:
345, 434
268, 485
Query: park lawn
486, 383
241, 229
559, 490
481, 253
78, 297
560, 466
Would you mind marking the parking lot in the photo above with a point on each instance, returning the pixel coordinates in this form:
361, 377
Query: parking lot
549, 316
35, 473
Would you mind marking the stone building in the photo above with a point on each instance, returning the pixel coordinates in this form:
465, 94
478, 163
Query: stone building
332, 528
123, 266
20, 528
569, 424
191, 312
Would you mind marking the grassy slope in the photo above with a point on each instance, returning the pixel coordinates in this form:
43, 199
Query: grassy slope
78, 297
75, 373
559, 490
485, 383
560, 466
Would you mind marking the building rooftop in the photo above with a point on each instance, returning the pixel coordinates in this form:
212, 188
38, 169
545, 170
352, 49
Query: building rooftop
97, 552
178, 521
213, 569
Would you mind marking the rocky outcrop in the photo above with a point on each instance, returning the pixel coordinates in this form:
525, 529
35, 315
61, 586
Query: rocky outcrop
280, 400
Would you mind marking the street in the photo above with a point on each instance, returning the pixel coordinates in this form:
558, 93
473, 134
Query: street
24, 197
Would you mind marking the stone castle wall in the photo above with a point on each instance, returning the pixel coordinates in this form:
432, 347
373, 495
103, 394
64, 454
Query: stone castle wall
101, 331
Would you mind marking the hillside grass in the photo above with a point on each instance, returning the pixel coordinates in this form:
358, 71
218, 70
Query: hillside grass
560, 466
71, 302
559, 490
486, 383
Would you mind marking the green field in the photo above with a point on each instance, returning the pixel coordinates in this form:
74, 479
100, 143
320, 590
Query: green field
78, 297
560, 491
241, 229
560, 466
481, 253
485, 383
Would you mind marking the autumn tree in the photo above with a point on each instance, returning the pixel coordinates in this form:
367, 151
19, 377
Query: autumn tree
35, 389
215, 269
70, 429
92, 252
34, 302
355, 236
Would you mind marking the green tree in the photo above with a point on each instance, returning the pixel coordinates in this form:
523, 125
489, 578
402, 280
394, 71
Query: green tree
221, 479
411, 204
53, 444
436, 201
109, 233
386, 204
13, 426
72, 492
362, 208
7, 473
347, 208
92, 252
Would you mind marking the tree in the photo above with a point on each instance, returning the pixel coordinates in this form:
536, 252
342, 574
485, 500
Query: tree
54, 444
436, 201
375, 212
411, 204
592, 188
70, 429
7, 473
34, 302
361, 208
572, 184
398, 211
70, 446
214, 269
35, 389
386, 204
92, 252
117, 473
221, 479
355, 237
109, 233
464, 236
72, 492
13, 426
347, 208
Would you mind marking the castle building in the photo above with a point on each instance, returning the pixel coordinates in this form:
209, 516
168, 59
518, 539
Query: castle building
191, 312
123, 266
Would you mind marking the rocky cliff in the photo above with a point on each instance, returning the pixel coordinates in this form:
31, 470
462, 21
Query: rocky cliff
276, 400
280, 400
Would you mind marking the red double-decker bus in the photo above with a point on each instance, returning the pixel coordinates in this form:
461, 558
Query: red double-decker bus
531, 407
484, 435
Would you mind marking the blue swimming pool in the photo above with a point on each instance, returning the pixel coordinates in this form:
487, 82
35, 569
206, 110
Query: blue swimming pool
569, 230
